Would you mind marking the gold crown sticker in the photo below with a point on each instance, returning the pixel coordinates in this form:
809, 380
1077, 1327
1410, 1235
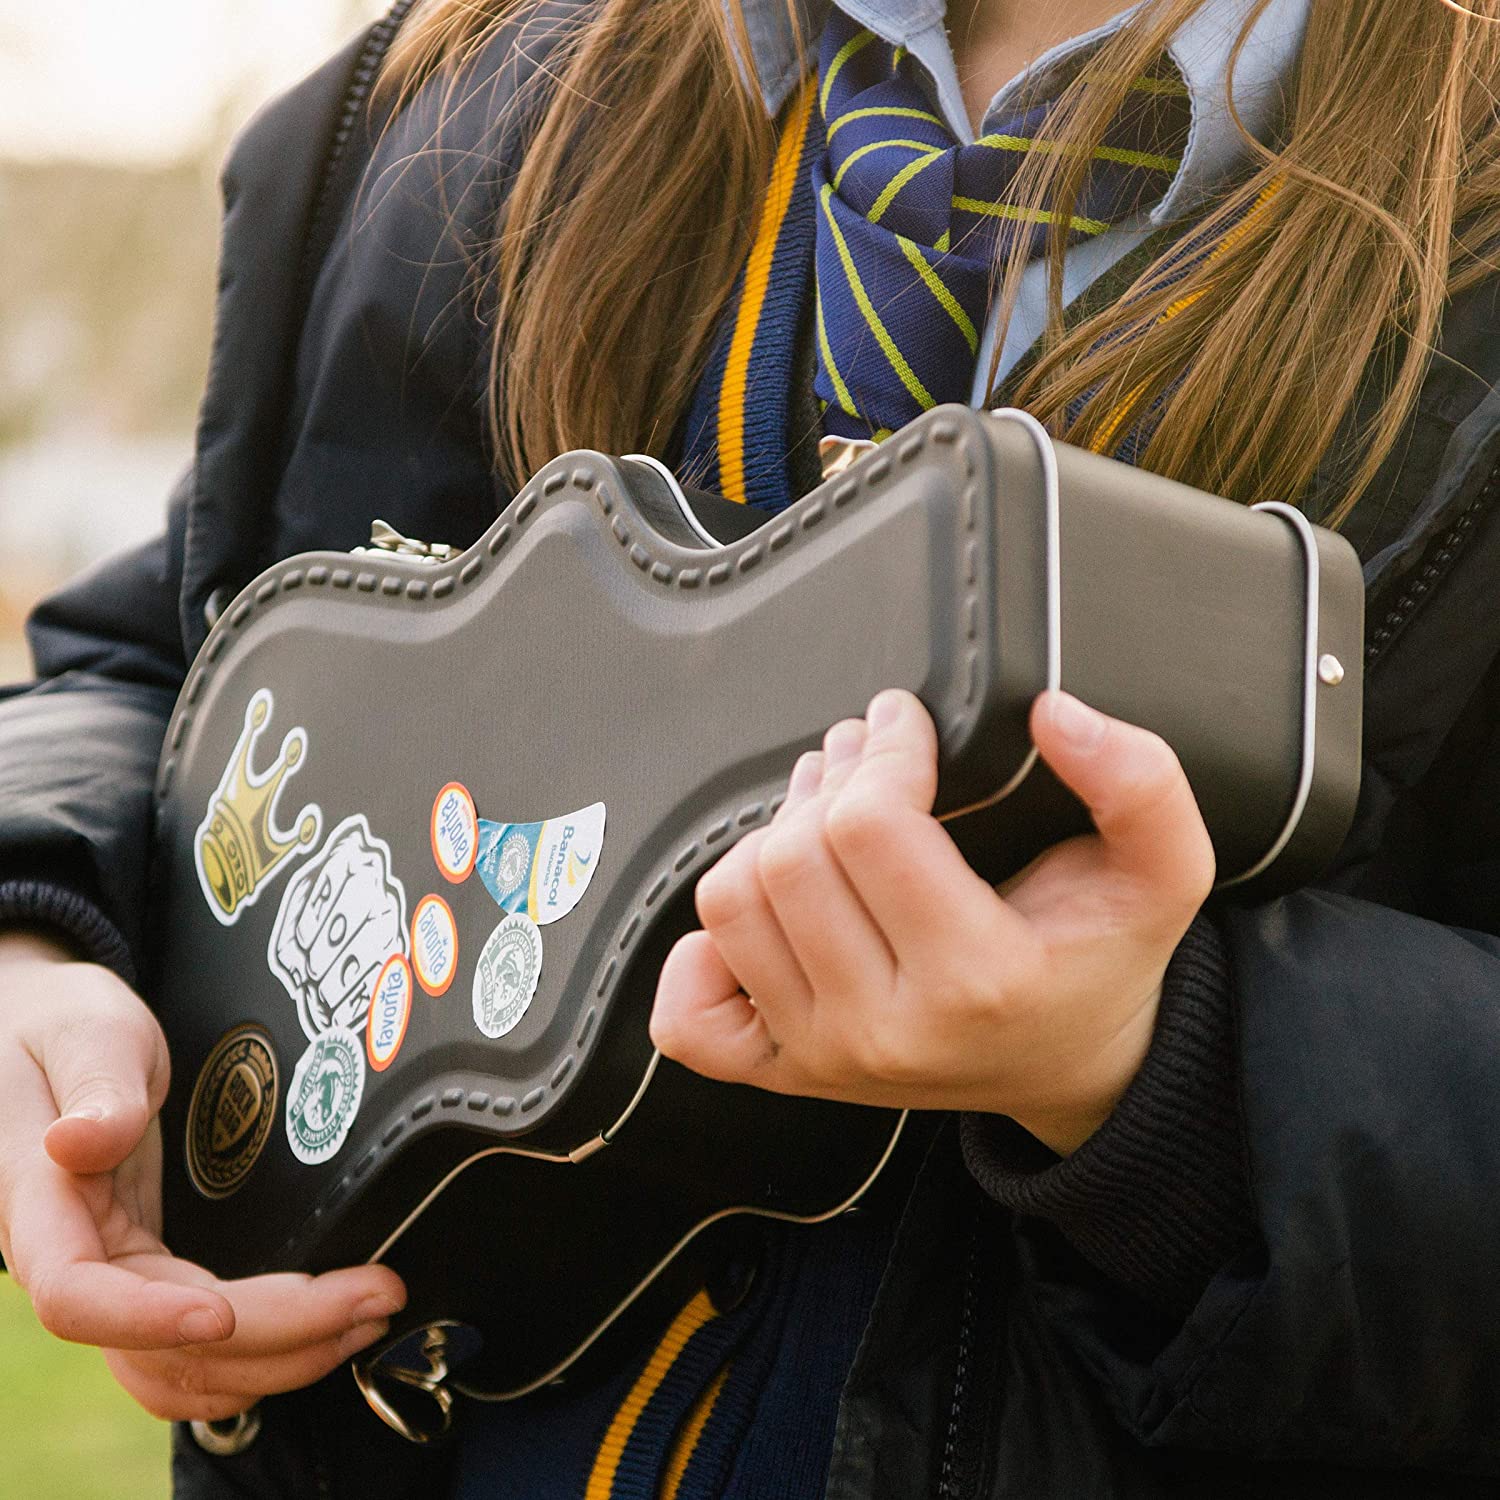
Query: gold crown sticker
238, 847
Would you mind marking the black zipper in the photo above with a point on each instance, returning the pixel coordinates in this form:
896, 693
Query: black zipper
1437, 561
947, 1479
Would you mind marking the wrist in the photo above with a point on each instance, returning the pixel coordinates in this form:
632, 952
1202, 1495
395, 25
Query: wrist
1080, 1107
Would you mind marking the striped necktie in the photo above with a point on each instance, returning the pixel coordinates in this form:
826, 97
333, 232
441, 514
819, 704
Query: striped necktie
910, 224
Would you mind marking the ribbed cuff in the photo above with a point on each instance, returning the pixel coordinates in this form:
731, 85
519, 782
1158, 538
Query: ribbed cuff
35, 903
1158, 1198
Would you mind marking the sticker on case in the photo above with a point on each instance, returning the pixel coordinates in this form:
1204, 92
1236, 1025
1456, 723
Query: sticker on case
238, 847
434, 945
541, 869
506, 975
455, 832
232, 1110
324, 1096
342, 916
390, 1013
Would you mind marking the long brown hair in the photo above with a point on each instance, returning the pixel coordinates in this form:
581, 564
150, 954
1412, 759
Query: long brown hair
635, 204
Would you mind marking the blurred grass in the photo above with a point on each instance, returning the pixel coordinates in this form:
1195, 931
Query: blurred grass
67, 1431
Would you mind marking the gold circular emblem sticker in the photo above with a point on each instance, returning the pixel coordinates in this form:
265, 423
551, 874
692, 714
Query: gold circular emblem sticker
232, 1111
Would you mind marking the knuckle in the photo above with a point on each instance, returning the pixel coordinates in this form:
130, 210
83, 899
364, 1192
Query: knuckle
187, 1378
858, 825
720, 895
47, 1303
884, 1054
788, 856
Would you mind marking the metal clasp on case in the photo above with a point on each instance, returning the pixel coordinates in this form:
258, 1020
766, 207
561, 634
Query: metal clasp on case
388, 1368
385, 538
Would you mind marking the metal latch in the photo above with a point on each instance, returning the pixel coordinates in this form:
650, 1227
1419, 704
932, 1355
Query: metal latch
835, 454
388, 1381
385, 538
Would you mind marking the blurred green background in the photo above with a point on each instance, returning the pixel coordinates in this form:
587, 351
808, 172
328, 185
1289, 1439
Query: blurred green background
113, 121
67, 1431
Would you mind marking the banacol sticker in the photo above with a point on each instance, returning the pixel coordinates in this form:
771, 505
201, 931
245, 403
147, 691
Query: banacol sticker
324, 1096
506, 975
390, 1013
342, 916
455, 832
239, 848
541, 869
434, 945
232, 1110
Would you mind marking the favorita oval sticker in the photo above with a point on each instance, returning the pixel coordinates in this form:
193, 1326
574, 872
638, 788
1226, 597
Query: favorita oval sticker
455, 832
434, 945
390, 1013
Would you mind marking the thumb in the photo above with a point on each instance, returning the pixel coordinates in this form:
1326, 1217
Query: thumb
1135, 790
108, 1080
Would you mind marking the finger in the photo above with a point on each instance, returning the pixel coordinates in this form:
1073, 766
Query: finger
107, 1068
1135, 791
702, 1018
59, 1258
90, 1301
197, 1373
736, 914
842, 746
806, 778
901, 863
832, 937
284, 1313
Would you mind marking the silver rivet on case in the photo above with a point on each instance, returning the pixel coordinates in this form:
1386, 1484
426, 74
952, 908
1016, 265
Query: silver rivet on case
1330, 670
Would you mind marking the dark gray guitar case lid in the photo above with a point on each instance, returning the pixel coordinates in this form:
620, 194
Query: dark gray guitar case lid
426, 829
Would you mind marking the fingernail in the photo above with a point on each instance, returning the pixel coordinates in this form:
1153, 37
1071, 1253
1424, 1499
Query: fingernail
843, 743
362, 1337
201, 1326
806, 774
884, 710
374, 1309
85, 1112
1083, 727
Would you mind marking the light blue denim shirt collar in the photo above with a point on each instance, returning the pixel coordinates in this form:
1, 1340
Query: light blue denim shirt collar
1202, 50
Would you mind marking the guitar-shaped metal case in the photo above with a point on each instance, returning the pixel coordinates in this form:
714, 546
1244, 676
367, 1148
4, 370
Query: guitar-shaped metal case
506, 1137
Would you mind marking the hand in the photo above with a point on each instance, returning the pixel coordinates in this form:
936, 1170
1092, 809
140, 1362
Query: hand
850, 953
83, 1072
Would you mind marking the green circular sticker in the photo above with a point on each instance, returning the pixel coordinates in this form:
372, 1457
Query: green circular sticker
506, 975
323, 1099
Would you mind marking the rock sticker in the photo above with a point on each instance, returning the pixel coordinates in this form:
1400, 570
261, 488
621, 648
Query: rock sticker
341, 917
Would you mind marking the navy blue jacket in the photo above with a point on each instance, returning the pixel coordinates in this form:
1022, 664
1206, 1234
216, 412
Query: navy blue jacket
1271, 1273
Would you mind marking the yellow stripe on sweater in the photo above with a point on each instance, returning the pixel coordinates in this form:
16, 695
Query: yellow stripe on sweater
732, 394
687, 1440
607, 1461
